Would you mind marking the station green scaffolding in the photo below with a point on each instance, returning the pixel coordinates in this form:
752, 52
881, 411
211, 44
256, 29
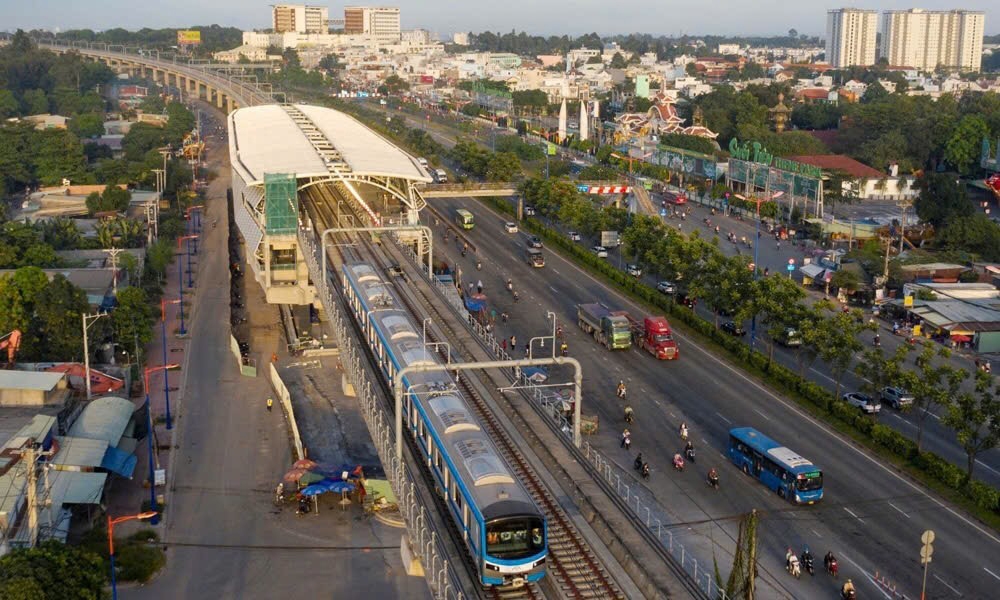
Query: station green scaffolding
281, 204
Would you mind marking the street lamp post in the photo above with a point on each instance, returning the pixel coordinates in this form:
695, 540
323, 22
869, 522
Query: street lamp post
190, 277
180, 265
166, 379
111, 543
149, 436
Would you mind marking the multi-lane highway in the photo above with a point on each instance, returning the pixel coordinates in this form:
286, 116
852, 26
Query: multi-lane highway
936, 437
872, 517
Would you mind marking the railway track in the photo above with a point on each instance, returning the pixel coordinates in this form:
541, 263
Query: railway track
574, 570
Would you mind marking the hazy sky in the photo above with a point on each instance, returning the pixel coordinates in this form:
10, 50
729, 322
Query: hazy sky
667, 17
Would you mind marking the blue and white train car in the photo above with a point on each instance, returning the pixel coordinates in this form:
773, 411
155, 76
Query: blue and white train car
501, 526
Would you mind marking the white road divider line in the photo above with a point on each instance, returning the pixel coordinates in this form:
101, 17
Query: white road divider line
853, 515
945, 584
762, 414
723, 418
900, 511
991, 573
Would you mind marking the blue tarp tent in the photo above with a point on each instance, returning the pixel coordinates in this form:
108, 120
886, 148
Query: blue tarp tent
327, 485
119, 461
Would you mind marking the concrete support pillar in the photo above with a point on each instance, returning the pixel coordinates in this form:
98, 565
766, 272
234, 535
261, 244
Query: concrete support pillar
220, 98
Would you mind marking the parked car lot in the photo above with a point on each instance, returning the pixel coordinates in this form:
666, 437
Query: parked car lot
863, 402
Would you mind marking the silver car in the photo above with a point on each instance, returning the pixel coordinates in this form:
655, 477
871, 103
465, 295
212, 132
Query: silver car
896, 397
863, 402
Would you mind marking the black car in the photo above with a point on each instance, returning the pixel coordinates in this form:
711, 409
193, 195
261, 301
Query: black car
732, 328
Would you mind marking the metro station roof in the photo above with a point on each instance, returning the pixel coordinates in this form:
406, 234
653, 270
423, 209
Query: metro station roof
266, 139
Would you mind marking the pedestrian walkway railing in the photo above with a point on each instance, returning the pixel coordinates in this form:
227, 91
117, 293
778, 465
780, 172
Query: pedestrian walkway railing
649, 512
424, 538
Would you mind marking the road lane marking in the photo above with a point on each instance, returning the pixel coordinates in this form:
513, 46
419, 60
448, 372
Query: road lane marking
816, 533
991, 573
555, 271
554, 290
945, 584
986, 466
853, 515
900, 511
762, 414
867, 576
794, 408
723, 418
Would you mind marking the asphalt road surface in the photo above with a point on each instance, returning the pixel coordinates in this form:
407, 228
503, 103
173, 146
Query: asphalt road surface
871, 517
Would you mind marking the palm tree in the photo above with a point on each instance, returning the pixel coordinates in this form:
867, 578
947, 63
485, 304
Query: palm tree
106, 234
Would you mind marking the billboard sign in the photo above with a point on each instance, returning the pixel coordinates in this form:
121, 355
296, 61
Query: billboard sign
187, 37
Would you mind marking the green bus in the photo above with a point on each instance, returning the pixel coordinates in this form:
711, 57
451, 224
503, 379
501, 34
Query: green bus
464, 219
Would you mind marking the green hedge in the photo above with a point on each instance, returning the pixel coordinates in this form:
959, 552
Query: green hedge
788, 382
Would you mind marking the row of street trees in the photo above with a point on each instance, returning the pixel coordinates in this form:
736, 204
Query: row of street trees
727, 284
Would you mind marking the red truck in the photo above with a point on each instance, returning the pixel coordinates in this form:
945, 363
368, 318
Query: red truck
653, 334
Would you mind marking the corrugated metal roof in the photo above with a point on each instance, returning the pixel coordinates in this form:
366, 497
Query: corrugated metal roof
103, 419
79, 452
265, 139
70, 487
29, 380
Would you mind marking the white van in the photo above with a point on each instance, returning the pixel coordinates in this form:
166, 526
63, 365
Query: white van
440, 176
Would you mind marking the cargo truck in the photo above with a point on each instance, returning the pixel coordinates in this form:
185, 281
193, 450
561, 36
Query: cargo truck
611, 330
653, 335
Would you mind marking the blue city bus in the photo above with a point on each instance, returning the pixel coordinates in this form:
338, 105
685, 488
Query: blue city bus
782, 470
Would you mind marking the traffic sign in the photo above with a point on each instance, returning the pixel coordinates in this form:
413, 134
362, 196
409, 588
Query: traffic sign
927, 550
790, 267
791, 261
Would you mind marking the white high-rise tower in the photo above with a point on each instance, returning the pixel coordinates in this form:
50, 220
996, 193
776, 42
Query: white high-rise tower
850, 37
562, 121
928, 39
584, 122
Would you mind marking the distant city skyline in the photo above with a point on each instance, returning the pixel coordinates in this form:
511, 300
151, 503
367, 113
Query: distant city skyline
760, 18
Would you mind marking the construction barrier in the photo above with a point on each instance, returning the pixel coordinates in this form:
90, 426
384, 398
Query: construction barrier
286, 406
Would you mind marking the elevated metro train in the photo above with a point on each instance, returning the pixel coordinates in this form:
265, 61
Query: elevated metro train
500, 524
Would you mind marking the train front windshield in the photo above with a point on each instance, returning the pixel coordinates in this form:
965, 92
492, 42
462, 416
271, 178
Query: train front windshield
514, 538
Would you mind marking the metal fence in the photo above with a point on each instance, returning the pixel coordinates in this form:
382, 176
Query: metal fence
424, 537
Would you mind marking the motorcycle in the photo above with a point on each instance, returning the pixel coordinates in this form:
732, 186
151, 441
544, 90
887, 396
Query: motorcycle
848, 595
678, 462
690, 453
629, 416
793, 567
645, 470
516, 297
807, 562
713, 480
832, 568
565, 350
877, 341
637, 465
684, 433
479, 265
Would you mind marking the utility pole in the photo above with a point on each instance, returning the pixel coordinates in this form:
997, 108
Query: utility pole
29, 456
86, 346
113, 256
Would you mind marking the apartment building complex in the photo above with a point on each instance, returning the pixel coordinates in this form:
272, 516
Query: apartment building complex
850, 37
927, 40
381, 22
299, 18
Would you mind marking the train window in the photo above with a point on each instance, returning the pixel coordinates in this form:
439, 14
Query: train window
516, 537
